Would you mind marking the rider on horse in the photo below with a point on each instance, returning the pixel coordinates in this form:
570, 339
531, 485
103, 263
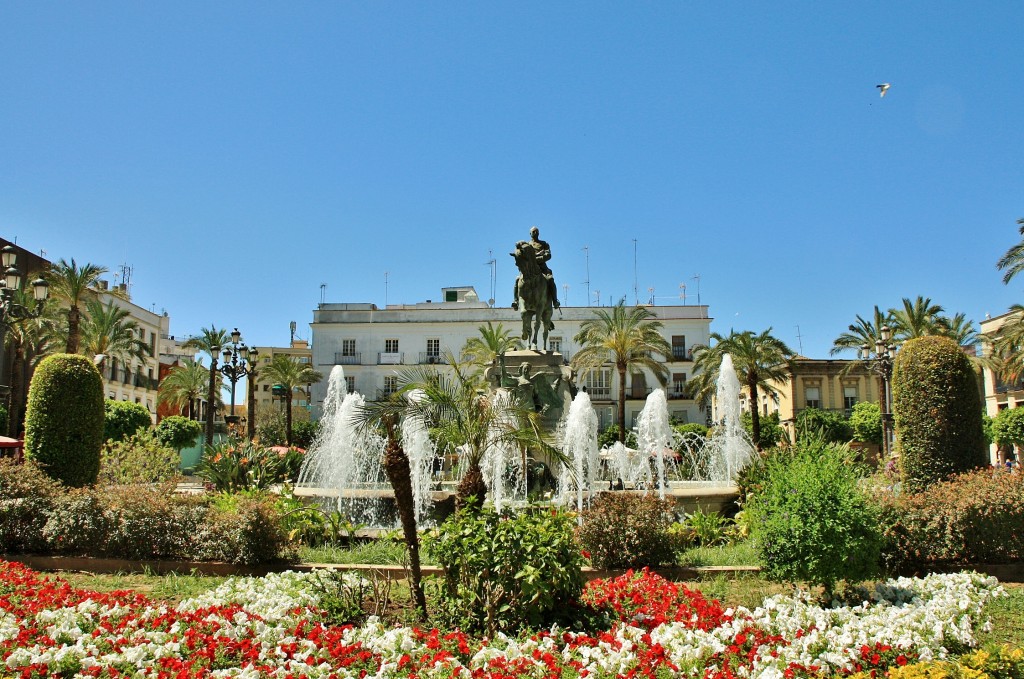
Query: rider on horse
541, 253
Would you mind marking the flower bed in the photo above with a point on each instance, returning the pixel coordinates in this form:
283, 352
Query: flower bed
266, 627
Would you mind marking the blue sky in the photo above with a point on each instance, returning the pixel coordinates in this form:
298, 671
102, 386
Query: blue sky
239, 155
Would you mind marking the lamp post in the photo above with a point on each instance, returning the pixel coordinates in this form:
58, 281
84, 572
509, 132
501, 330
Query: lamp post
879, 360
237, 363
12, 310
211, 394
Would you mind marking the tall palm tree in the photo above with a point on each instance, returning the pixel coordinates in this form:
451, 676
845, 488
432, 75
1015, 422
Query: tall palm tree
30, 340
493, 341
110, 331
626, 338
210, 340
1006, 356
72, 284
761, 361
286, 371
1013, 260
183, 386
918, 318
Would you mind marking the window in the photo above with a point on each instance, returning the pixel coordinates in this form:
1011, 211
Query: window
555, 344
849, 399
433, 348
451, 295
597, 383
303, 359
266, 387
350, 384
812, 397
390, 384
678, 384
152, 343
391, 346
348, 347
679, 347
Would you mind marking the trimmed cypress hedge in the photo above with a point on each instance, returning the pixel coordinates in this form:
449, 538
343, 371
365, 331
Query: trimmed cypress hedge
937, 408
64, 419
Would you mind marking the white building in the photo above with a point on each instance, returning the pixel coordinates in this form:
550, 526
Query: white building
373, 344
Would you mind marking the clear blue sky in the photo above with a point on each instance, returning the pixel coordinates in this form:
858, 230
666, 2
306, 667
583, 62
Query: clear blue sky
239, 155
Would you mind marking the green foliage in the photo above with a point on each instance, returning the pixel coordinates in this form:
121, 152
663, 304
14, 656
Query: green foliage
986, 427
239, 465
972, 518
691, 428
178, 432
810, 521
1008, 427
25, 497
122, 419
626, 530
709, 528
304, 433
64, 419
937, 411
509, 572
772, 433
4, 419
610, 434
828, 423
142, 458
866, 422
270, 427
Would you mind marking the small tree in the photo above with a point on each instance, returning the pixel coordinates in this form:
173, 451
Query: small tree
122, 419
1008, 427
772, 433
831, 424
937, 410
866, 422
64, 419
178, 432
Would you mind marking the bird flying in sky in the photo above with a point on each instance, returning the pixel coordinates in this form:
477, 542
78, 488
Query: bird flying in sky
883, 88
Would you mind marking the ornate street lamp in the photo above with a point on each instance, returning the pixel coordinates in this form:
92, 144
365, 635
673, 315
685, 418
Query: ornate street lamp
880, 363
211, 394
239, 361
12, 310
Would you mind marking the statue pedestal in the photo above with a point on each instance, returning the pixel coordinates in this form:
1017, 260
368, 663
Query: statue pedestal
550, 382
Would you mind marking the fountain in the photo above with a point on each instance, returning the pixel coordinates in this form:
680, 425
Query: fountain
579, 444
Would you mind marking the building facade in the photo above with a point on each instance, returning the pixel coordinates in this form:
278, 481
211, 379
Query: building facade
136, 380
372, 345
265, 399
1000, 393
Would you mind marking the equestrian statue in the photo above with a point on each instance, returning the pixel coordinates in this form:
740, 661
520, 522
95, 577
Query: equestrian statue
535, 294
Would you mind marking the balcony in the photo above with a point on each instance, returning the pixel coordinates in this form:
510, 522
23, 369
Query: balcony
341, 358
390, 358
599, 393
431, 358
680, 354
638, 392
676, 395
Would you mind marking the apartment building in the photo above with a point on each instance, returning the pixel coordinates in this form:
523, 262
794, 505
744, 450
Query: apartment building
373, 344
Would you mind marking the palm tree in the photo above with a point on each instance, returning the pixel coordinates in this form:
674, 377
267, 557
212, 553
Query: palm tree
183, 386
30, 340
493, 342
72, 284
626, 338
1013, 260
760, 362
110, 331
210, 340
1007, 346
917, 318
286, 371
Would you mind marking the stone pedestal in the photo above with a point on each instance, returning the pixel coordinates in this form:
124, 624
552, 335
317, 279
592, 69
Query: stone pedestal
538, 376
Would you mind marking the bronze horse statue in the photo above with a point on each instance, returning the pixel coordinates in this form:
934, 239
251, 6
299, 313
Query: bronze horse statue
533, 297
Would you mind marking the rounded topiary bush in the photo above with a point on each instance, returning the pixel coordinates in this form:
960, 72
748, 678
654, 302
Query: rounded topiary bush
64, 419
937, 409
178, 432
123, 419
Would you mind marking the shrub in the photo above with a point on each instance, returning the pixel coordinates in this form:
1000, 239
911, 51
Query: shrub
4, 420
1008, 427
972, 518
504, 573
626, 530
64, 419
76, 523
810, 521
270, 425
26, 496
304, 433
830, 424
772, 433
122, 419
937, 411
866, 422
239, 464
610, 435
178, 432
140, 459
691, 428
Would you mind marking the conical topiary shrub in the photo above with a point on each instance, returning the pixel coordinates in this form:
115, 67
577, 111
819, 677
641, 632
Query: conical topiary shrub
937, 409
64, 419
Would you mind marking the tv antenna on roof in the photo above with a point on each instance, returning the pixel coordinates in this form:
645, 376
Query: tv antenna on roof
493, 263
385, 289
586, 253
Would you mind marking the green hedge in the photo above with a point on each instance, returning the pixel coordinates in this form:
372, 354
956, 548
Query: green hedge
64, 419
135, 522
937, 409
122, 419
